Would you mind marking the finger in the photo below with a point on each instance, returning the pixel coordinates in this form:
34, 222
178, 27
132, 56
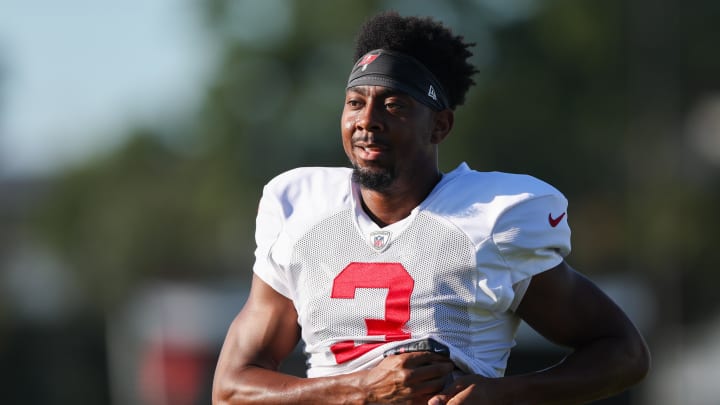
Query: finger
460, 397
441, 372
446, 395
438, 400
427, 385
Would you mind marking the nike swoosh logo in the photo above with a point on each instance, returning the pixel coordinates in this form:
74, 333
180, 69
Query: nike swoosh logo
555, 221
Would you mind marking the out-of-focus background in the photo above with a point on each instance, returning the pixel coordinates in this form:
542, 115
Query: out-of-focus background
135, 137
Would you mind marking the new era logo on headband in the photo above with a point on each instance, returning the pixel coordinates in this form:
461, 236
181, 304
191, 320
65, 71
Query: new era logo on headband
431, 93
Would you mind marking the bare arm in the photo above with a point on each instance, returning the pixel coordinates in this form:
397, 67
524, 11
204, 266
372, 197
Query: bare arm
609, 354
266, 331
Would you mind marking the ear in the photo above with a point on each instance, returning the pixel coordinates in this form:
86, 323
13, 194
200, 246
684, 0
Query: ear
443, 123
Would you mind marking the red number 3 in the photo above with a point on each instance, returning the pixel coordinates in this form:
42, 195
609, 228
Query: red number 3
397, 280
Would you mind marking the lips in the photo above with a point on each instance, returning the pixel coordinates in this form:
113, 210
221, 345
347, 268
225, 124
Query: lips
370, 151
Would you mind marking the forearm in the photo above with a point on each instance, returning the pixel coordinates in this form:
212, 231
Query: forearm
609, 354
256, 385
598, 370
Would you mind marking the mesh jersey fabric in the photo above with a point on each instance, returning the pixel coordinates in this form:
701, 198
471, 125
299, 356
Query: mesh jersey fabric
446, 271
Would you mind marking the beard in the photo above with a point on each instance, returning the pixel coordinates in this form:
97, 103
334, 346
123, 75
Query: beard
379, 180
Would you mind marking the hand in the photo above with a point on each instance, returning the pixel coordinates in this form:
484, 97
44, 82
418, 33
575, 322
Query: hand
408, 378
469, 389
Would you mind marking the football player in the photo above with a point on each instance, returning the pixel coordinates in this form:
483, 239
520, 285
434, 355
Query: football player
405, 284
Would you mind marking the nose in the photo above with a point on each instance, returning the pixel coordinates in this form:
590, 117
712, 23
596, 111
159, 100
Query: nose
369, 119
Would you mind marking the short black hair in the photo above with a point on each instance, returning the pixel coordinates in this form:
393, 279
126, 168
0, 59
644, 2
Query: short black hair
427, 40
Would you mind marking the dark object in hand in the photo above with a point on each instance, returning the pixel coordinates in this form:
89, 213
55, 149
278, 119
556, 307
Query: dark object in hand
425, 345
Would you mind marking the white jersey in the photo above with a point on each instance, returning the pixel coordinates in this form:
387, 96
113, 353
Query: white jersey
453, 270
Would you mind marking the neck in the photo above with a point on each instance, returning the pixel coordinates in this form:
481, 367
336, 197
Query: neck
395, 204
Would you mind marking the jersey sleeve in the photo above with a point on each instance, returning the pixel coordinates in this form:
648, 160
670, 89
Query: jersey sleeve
533, 235
268, 229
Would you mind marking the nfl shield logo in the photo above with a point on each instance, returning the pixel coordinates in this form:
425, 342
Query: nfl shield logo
380, 240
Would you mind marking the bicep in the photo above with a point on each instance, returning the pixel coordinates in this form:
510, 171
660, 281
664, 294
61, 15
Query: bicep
569, 309
263, 333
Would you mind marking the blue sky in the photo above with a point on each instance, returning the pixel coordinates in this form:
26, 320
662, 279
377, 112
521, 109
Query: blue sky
76, 74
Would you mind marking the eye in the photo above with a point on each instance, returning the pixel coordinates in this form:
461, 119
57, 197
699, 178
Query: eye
353, 103
394, 105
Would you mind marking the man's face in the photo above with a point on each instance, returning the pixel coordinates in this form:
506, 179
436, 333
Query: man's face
386, 135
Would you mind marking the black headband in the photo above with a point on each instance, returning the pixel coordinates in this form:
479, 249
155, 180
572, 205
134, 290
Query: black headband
400, 72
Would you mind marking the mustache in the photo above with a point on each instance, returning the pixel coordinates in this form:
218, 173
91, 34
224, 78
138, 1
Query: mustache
364, 140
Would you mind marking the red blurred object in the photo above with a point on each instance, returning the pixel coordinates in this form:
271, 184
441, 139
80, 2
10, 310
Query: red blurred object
172, 374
